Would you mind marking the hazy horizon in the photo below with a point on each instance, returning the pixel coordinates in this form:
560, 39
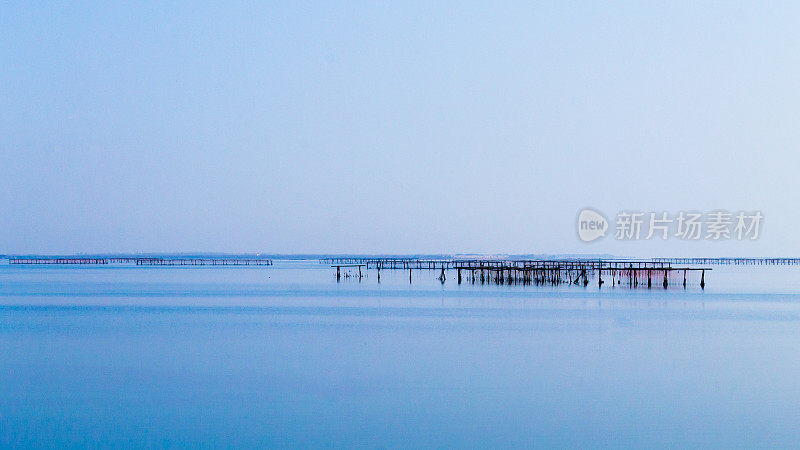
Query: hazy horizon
392, 128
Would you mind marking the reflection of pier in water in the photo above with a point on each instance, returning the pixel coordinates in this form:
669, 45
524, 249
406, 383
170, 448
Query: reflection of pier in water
632, 273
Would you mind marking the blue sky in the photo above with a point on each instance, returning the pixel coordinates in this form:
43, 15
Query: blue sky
404, 127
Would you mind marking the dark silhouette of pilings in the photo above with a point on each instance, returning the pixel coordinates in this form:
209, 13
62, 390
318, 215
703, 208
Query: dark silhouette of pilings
632, 273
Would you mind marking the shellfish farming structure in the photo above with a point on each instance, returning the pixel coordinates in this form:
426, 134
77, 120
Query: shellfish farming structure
631, 273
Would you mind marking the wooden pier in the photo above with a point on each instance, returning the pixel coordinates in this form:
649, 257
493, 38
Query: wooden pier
632, 273
142, 261
201, 262
618, 273
48, 260
391, 263
734, 261
417, 263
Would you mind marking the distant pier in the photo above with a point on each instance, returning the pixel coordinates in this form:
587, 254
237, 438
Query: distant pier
391, 263
141, 261
56, 260
202, 262
734, 261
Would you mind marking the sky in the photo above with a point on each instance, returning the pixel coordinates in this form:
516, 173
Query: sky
393, 127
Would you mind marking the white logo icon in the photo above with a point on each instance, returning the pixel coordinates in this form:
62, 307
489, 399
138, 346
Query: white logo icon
591, 225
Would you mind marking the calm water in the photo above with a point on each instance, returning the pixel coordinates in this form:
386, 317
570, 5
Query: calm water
285, 356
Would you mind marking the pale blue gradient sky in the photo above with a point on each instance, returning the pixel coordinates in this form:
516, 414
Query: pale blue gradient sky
377, 127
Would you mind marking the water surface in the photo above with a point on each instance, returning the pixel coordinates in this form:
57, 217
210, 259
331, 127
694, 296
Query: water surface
286, 356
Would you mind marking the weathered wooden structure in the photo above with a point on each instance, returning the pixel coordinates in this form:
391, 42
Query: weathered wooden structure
56, 260
632, 273
626, 273
391, 263
734, 261
142, 261
202, 262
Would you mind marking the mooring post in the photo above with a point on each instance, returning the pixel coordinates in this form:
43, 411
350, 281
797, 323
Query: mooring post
600, 277
665, 279
459, 275
409, 276
338, 273
684, 278
703, 279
